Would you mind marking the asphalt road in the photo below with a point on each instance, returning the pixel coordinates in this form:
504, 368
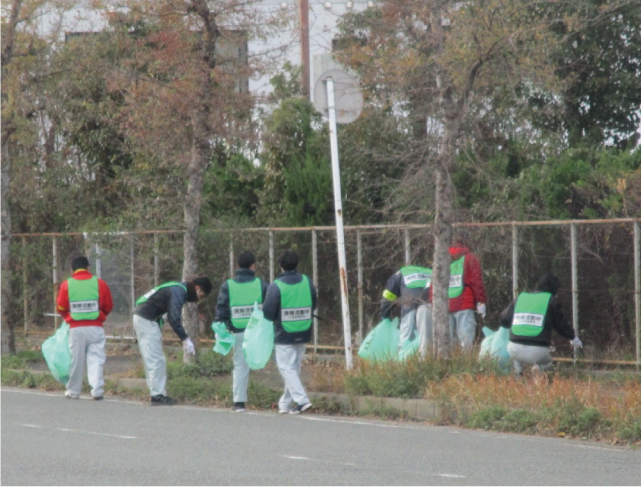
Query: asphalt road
50, 440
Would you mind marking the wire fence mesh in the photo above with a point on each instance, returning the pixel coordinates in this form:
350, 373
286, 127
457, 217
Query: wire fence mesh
597, 263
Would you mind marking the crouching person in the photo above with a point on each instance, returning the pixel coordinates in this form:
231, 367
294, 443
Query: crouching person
166, 299
531, 318
289, 303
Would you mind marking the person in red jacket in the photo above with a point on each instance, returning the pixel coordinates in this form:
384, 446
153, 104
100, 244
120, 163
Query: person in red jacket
84, 301
466, 292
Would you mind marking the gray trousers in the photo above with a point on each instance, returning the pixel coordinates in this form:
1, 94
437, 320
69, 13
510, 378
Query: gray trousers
240, 375
87, 343
153, 356
530, 355
463, 328
289, 359
425, 332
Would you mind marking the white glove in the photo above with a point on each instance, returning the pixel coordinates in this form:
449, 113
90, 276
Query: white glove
481, 309
576, 343
188, 347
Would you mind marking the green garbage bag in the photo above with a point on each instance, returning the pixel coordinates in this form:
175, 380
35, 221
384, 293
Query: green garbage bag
494, 345
258, 343
225, 339
382, 342
57, 354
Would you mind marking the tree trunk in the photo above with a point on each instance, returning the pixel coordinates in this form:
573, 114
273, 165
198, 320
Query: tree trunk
8, 339
8, 39
200, 157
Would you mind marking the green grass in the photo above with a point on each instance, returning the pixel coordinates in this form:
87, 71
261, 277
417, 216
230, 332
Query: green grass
21, 360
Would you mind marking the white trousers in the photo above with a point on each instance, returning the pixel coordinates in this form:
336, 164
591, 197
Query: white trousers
407, 326
240, 375
424, 326
529, 354
153, 356
289, 359
463, 328
87, 343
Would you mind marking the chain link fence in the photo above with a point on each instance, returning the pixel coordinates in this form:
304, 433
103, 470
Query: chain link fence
596, 261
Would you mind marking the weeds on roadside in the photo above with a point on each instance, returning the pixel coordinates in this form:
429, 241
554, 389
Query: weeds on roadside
21, 360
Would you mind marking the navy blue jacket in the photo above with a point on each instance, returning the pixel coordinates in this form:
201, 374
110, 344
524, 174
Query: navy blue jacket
271, 310
169, 300
223, 310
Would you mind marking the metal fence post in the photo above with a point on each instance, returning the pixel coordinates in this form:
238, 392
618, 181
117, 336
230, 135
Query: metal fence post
575, 286
55, 281
637, 292
515, 261
25, 300
231, 255
156, 273
132, 271
98, 260
408, 257
315, 281
359, 263
271, 256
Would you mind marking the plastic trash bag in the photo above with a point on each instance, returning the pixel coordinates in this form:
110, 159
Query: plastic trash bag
57, 354
382, 342
225, 339
258, 343
494, 345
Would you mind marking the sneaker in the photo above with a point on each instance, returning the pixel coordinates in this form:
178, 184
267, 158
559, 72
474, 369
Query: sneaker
98, 398
301, 408
69, 395
284, 411
239, 407
161, 400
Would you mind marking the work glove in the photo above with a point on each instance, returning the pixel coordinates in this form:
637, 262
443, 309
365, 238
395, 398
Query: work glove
481, 309
188, 347
576, 343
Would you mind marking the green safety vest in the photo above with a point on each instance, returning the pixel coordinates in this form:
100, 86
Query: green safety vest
415, 276
529, 314
83, 298
456, 278
147, 295
242, 296
296, 305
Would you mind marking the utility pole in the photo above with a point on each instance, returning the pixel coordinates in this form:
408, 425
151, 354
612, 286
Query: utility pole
304, 45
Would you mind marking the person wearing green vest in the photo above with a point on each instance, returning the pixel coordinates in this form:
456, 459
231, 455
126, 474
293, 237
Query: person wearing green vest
289, 303
531, 318
234, 308
466, 292
408, 287
84, 301
167, 300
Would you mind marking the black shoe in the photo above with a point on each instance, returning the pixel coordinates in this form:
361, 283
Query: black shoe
239, 407
98, 398
300, 408
161, 400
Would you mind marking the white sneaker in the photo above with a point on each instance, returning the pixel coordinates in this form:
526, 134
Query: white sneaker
69, 395
284, 411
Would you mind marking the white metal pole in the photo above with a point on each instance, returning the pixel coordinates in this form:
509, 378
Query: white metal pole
231, 256
98, 260
575, 285
408, 257
515, 261
133, 270
315, 281
55, 281
340, 235
271, 256
359, 263
156, 270
637, 291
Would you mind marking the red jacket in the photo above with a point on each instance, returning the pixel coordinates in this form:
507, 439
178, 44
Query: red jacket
105, 303
473, 289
